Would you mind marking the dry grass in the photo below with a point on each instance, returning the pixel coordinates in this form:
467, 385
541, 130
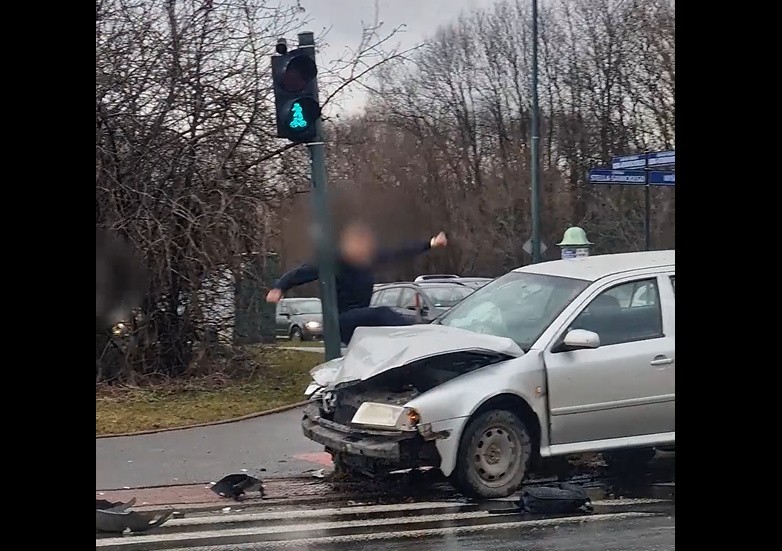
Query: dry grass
279, 379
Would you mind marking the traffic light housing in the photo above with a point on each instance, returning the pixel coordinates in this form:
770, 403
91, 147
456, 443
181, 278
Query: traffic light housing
296, 92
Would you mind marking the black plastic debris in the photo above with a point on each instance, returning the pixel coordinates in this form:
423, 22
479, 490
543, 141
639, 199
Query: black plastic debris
119, 521
114, 506
562, 498
236, 485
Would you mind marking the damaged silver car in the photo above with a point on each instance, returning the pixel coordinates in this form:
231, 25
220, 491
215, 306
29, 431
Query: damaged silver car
552, 359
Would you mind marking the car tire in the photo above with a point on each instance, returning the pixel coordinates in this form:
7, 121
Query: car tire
296, 334
494, 455
629, 461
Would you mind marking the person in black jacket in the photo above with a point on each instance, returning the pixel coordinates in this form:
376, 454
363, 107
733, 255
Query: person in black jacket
358, 256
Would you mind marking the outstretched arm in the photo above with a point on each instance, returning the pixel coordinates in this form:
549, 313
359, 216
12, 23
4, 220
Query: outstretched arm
290, 279
410, 249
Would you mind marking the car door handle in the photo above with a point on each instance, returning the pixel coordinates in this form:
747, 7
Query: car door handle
661, 360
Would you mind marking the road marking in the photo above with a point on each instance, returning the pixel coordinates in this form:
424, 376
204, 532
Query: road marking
212, 537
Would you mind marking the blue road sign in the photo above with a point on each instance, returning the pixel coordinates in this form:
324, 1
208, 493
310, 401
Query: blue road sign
661, 158
628, 161
644, 160
605, 176
662, 178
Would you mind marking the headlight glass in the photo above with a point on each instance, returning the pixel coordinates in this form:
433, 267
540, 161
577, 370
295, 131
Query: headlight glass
312, 325
386, 416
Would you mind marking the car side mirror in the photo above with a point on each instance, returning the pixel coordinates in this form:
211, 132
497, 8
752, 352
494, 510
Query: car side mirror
578, 339
285, 314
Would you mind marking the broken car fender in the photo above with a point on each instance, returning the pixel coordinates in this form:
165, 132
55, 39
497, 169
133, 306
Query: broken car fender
450, 406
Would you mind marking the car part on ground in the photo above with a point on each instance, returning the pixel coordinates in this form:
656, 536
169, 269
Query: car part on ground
114, 506
115, 517
236, 486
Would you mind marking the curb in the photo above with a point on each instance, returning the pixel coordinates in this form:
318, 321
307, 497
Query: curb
210, 424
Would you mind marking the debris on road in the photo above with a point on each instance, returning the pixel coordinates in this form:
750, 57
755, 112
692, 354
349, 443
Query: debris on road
236, 485
113, 506
559, 498
119, 521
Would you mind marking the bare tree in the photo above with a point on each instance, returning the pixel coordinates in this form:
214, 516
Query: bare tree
188, 168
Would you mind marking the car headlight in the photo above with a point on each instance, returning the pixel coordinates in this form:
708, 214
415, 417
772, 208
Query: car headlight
312, 325
386, 416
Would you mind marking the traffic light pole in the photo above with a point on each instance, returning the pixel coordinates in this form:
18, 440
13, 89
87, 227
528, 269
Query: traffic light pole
536, 256
325, 249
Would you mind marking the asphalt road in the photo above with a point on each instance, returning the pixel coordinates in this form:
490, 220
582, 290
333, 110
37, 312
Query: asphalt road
205, 454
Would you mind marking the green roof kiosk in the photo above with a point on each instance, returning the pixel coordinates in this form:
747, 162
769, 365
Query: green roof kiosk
574, 244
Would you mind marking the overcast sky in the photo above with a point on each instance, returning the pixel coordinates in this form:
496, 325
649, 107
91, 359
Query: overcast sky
344, 18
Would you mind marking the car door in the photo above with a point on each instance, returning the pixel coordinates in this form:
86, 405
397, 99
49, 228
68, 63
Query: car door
389, 297
281, 319
407, 304
625, 387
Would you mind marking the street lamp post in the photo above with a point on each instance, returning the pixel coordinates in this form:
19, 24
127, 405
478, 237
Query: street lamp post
535, 140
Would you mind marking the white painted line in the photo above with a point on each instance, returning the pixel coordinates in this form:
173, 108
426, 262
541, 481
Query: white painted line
315, 513
298, 543
309, 527
423, 507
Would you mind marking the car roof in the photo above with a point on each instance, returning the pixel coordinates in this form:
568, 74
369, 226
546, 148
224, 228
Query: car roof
428, 283
596, 267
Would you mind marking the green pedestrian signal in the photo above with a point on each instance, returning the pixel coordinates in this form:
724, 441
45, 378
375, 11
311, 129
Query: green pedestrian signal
298, 120
295, 84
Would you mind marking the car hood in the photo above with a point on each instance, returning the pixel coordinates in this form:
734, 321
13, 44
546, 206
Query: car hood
374, 350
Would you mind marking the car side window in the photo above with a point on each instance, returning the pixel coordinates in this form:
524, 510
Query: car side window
375, 298
408, 298
624, 313
281, 309
390, 297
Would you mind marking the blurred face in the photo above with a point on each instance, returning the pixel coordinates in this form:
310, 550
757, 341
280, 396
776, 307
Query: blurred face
357, 245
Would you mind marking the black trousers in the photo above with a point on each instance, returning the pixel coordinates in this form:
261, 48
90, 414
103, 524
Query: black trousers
381, 316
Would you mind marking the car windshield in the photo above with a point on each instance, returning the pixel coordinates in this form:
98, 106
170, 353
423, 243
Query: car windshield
305, 307
445, 296
519, 306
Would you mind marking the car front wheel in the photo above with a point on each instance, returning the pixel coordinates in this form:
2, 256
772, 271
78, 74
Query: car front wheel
494, 455
296, 334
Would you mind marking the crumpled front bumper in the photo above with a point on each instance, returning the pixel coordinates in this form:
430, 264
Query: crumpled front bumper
404, 449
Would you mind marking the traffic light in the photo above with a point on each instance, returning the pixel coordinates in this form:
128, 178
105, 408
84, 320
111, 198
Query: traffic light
296, 90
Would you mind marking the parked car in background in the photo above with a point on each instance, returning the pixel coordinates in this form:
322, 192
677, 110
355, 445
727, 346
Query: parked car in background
552, 359
474, 282
433, 298
299, 319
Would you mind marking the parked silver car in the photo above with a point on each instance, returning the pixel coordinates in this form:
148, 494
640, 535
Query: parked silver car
551, 359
